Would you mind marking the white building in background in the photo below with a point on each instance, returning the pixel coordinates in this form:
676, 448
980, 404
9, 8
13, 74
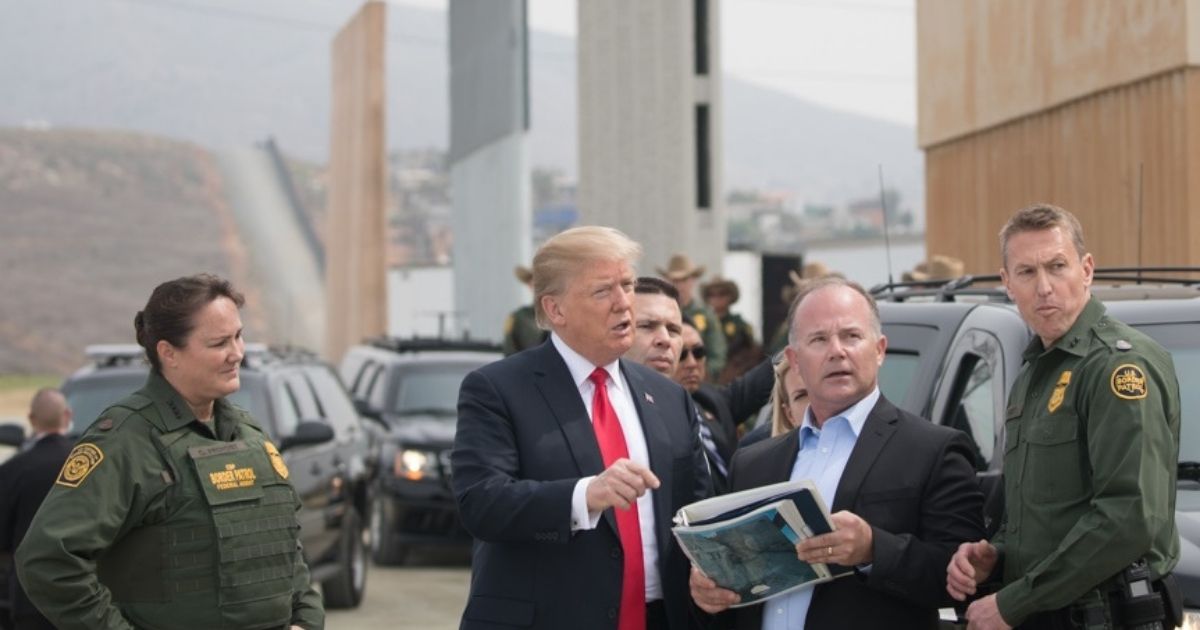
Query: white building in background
650, 125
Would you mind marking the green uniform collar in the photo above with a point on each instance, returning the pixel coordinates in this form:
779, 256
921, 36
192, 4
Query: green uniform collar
176, 413
1076, 340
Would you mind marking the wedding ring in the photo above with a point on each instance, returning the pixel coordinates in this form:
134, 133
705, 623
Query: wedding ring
829, 551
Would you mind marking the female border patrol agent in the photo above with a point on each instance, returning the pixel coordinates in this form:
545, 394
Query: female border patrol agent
174, 509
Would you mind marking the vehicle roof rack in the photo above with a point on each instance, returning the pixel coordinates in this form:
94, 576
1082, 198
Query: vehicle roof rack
988, 285
424, 344
113, 354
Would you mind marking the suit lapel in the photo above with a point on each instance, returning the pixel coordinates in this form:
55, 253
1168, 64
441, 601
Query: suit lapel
876, 431
553, 380
658, 447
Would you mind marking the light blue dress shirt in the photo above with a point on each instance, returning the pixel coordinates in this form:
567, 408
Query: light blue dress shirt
822, 458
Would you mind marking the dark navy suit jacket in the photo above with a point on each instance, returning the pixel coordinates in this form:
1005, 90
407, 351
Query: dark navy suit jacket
913, 482
524, 439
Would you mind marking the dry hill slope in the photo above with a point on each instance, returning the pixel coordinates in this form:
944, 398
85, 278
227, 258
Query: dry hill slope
90, 222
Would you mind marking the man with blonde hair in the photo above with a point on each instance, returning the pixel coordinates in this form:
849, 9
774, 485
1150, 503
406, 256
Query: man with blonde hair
570, 461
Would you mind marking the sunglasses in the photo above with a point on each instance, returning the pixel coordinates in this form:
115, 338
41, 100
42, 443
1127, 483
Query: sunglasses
697, 351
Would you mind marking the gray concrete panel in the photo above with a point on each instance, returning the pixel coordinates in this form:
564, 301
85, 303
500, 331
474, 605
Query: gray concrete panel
489, 73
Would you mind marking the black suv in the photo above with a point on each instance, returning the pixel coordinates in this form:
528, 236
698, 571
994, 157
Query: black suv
410, 387
300, 403
954, 350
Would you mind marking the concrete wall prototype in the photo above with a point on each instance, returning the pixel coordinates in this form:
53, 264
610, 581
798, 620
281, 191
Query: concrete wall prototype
489, 162
1093, 106
355, 277
639, 96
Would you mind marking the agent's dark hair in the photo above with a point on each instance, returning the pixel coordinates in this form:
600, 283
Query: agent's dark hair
1038, 217
170, 313
649, 285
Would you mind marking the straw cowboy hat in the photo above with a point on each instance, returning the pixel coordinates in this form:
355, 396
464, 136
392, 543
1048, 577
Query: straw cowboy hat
811, 270
680, 267
524, 274
938, 267
720, 285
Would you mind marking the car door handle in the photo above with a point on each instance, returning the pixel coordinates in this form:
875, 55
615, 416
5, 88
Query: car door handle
316, 468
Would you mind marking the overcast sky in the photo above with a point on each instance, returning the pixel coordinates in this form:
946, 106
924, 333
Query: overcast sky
857, 55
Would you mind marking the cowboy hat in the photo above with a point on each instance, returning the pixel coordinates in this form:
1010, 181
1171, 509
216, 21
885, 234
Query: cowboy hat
680, 267
720, 285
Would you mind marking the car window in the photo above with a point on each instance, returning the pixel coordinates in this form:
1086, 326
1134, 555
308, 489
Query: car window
339, 412
287, 415
376, 389
301, 393
92, 394
897, 373
431, 389
974, 411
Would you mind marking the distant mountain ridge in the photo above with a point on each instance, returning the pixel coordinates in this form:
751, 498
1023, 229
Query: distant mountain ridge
224, 74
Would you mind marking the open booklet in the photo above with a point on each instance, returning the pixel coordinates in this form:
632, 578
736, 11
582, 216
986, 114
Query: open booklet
746, 541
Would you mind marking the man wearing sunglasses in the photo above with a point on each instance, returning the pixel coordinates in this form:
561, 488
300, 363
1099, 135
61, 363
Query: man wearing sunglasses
722, 407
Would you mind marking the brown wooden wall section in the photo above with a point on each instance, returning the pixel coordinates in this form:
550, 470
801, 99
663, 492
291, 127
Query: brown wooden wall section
1083, 156
355, 270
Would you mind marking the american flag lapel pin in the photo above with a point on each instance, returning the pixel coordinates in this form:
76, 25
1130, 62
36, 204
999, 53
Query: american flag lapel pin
649, 398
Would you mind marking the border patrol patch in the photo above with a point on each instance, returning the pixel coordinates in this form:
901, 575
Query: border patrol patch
700, 321
276, 459
1128, 382
1060, 391
82, 460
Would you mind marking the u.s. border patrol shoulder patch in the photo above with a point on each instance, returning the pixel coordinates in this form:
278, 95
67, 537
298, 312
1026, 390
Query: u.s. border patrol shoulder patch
276, 459
82, 460
1128, 382
700, 321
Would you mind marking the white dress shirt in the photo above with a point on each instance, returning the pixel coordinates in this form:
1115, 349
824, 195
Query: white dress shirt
621, 399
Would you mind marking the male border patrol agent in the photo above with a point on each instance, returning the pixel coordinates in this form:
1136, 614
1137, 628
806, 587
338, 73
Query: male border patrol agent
520, 328
683, 274
1089, 538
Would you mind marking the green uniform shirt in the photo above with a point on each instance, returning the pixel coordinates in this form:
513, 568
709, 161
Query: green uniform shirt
709, 327
739, 335
1089, 465
115, 482
521, 331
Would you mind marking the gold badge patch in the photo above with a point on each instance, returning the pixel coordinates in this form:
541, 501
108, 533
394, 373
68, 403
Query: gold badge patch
82, 460
730, 329
276, 460
700, 321
1128, 382
1060, 391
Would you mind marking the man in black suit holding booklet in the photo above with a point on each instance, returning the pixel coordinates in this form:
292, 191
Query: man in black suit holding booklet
902, 490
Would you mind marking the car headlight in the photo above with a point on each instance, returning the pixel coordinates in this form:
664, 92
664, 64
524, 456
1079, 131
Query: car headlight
415, 465
1191, 619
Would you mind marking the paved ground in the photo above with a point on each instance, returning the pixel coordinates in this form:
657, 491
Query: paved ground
428, 594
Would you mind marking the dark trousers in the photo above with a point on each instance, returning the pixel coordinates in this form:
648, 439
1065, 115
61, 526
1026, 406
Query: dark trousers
32, 622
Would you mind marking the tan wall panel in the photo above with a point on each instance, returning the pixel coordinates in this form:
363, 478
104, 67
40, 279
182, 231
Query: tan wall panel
1084, 157
355, 270
982, 63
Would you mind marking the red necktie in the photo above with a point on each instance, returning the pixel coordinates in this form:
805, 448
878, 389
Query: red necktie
612, 448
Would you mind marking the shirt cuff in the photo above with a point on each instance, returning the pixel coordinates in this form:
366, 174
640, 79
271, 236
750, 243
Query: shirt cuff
581, 519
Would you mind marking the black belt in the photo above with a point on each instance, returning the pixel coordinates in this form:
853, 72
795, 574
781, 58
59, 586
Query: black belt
656, 615
1074, 617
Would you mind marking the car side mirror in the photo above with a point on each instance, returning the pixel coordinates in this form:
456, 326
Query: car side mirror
308, 432
12, 435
